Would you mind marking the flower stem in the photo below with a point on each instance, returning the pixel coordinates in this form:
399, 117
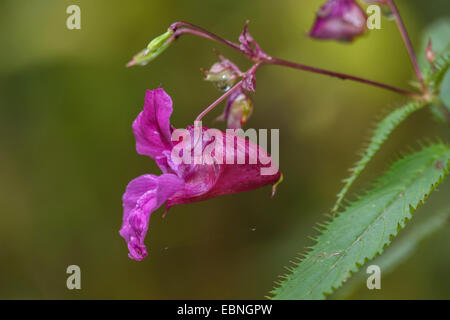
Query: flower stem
406, 40
188, 28
339, 75
221, 98
196, 30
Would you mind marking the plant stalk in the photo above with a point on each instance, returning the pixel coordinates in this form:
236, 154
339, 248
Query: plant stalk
406, 40
221, 98
339, 75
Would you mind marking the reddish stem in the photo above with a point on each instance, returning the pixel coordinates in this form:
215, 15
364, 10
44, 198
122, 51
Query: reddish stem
189, 28
406, 40
201, 33
215, 103
339, 75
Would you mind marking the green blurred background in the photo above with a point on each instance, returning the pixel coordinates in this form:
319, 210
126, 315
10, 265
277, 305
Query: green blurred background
67, 150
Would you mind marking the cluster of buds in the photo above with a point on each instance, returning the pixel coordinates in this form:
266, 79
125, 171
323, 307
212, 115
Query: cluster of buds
341, 20
224, 75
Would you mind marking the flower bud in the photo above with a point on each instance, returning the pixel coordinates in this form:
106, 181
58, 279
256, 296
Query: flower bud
340, 20
154, 49
223, 74
238, 110
429, 53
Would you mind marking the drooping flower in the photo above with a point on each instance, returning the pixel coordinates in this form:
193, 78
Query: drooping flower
238, 109
340, 20
186, 181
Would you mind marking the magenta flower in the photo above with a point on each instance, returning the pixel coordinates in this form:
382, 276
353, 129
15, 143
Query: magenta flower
340, 20
183, 182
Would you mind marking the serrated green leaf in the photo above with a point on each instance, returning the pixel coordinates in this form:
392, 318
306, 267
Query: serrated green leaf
382, 131
399, 251
366, 226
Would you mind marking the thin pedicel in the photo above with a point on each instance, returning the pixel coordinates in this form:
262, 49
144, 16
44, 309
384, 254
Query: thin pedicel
406, 40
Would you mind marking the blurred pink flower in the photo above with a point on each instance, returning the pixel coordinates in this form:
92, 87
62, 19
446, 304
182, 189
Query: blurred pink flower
340, 20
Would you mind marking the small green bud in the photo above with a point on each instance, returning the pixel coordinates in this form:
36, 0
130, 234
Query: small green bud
154, 49
240, 111
239, 108
223, 74
430, 55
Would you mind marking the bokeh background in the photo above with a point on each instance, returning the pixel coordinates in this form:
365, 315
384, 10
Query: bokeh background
67, 150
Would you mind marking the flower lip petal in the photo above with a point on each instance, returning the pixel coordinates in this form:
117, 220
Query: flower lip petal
144, 195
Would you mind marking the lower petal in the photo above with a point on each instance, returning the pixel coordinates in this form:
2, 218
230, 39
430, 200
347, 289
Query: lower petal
144, 195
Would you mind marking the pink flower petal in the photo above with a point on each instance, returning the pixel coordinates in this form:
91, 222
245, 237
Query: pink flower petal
144, 195
152, 126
